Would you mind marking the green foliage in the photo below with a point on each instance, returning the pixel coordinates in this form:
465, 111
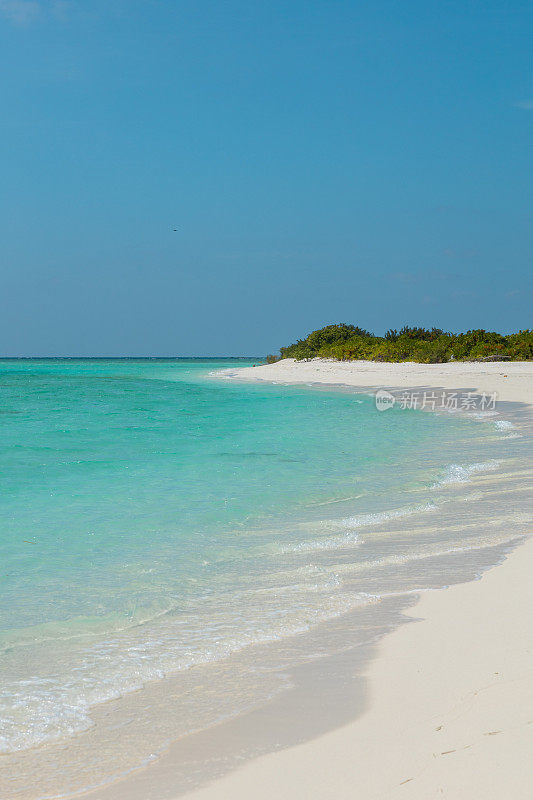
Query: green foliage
323, 339
422, 334
520, 346
427, 346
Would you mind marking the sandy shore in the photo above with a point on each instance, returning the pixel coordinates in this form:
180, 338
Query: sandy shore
512, 381
450, 709
448, 701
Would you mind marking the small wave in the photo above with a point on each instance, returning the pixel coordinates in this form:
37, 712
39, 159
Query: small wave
399, 560
39, 710
508, 428
461, 473
503, 425
485, 416
351, 538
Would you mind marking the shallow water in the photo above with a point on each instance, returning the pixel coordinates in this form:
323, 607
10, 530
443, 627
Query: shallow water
159, 522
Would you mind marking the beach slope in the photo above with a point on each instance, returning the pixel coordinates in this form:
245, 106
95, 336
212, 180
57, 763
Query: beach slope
511, 381
450, 710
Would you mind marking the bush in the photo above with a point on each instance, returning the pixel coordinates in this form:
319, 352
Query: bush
427, 346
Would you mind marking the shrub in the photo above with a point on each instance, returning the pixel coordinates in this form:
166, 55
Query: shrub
429, 346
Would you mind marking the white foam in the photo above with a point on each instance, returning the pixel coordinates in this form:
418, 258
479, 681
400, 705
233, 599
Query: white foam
503, 425
461, 473
36, 710
351, 538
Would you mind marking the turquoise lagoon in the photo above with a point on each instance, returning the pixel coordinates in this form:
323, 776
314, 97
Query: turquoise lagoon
156, 518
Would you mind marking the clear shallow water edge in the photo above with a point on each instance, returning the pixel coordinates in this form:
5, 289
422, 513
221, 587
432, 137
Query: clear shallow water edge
166, 530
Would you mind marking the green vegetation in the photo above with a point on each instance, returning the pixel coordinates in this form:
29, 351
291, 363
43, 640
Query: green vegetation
348, 342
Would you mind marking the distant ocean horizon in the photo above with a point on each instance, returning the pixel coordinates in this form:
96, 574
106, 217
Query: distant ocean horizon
132, 358
162, 525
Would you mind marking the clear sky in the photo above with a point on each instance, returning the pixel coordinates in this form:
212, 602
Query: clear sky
323, 160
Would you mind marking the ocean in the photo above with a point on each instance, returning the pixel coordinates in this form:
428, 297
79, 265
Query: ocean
176, 545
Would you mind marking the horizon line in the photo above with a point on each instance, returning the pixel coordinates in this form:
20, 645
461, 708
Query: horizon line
123, 358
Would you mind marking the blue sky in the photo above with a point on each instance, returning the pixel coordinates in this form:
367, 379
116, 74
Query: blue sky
323, 162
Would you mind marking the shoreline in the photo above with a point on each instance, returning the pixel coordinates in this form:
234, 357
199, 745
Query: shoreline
329, 763
435, 726
511, 380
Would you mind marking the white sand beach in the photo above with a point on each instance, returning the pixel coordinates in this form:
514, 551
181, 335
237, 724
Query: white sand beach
448, 705
512, 381
450, 710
